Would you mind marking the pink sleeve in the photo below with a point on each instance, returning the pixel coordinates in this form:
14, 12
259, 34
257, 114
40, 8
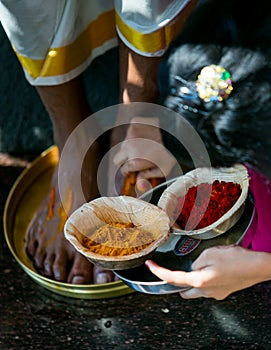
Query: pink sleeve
258, 236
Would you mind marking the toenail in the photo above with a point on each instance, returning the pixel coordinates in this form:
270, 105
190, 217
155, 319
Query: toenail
103, 278
78, 280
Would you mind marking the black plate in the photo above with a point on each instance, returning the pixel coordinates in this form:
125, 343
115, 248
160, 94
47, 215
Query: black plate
142, 280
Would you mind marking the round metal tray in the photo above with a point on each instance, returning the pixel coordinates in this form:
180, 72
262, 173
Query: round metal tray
23, 200
142, 280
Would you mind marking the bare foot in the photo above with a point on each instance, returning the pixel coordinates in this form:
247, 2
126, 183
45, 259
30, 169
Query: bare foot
52, 255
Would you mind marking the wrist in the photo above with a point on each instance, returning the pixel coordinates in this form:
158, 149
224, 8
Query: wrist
263, 263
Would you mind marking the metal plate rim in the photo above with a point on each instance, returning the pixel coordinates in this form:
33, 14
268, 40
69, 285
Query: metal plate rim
93, 291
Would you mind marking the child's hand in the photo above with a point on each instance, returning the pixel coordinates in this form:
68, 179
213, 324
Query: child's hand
143, 151
218, 272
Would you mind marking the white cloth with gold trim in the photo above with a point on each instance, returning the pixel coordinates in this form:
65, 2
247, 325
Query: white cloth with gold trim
55, 41
148, 26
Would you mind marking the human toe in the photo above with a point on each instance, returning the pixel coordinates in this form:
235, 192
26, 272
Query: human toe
38, 259
60, 268
101, 276
32, 242
80, 270
48, 266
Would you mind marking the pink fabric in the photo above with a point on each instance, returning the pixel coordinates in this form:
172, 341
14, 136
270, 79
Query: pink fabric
258, 236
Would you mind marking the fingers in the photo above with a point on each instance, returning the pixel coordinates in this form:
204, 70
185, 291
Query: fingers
195, 278
205, 259
214, 293
150, 173
144, 153
215, 273
145, 168
201, 262
179, 278
134, 165
143, 185
129, 157
210, 256
120, 157
192, 293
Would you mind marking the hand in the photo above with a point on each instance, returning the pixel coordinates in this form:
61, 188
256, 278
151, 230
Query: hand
143, 151
218, 272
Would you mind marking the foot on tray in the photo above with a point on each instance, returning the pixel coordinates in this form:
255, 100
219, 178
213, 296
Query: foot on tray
51, 254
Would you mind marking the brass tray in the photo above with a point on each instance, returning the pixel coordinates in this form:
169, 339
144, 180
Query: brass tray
23, 200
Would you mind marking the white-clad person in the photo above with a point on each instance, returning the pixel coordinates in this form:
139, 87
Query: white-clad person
55, 42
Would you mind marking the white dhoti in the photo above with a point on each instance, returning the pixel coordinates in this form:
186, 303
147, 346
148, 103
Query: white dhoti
55, 41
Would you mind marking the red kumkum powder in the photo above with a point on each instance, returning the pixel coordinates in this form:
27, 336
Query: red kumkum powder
220, 196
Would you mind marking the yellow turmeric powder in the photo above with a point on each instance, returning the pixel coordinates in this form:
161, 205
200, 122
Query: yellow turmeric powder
118, 239
129, 184
51, 204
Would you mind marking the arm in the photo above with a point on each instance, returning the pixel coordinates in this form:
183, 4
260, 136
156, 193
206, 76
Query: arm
219, 271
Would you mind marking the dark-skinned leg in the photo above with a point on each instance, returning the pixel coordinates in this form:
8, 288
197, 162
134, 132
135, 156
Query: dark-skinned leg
51, 253
138, 83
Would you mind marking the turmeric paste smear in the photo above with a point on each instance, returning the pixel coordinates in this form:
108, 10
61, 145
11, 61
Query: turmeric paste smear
118, 239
